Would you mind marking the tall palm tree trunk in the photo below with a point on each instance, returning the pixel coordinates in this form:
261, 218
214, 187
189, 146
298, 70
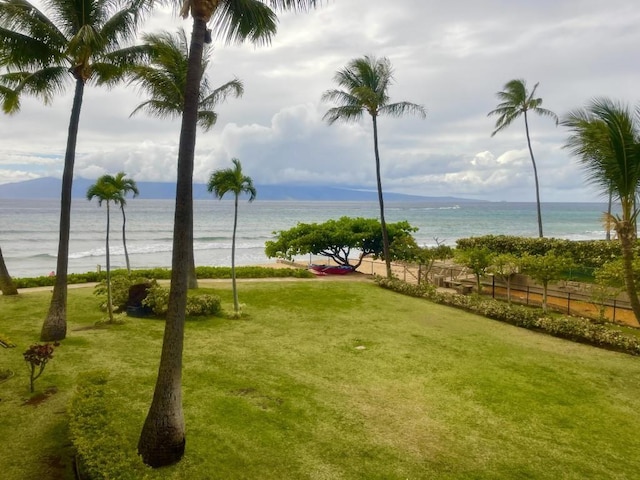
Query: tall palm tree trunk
609, 207
162, 440
535, 175
626, 234
236, 304
108, 259
6, 283
383, 223
124, 240
54, 327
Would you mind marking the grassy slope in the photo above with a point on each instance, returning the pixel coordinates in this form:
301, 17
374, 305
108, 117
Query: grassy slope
289, 392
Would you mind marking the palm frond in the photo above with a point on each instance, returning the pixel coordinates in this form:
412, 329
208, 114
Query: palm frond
399, 109
237, 20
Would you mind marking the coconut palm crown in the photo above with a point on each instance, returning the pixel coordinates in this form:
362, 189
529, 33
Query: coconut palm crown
364, 85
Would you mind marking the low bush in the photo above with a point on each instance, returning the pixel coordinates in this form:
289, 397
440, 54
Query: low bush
120, 285
577, 329
197, 305
96, 439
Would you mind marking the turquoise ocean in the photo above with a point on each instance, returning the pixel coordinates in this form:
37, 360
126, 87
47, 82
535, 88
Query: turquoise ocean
29, 233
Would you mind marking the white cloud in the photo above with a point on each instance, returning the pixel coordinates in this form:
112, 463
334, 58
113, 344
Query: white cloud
450, 57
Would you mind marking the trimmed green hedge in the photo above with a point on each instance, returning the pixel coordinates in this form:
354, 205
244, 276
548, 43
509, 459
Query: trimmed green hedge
577, 329
96, 439
588, 253
165, 274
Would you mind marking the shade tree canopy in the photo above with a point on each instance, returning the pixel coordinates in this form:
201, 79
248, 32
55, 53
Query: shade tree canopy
338, 239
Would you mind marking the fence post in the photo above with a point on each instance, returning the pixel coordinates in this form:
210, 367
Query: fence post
493, 287
528, 287
614, 309
568, 303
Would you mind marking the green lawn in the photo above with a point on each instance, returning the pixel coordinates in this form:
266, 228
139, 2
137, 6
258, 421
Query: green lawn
333, 380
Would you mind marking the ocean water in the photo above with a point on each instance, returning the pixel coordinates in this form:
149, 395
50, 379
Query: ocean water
29, 232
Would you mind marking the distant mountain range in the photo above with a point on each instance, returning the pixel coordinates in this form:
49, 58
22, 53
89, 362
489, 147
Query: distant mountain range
49, 187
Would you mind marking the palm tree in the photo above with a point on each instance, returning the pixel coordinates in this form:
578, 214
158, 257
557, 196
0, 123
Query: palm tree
516, 101
605, 136
366, 83
164, 77
105, 191
75, 40
232, 180
162, 438
6, 283
123, 186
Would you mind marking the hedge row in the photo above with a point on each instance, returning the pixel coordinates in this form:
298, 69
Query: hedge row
588, 253
576, 329
165, 274
96, 438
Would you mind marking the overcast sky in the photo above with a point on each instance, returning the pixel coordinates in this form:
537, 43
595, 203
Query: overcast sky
451, 57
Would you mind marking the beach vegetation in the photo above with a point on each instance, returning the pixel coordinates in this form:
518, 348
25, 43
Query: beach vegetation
338, 239
162, 439
334, 379
515, 101
605, 137
7, 286
78, 41
235, 181
364, 88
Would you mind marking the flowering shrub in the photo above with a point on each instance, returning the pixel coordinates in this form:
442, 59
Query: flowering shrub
197, 305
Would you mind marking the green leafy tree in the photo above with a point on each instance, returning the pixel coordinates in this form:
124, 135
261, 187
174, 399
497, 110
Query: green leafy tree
478, 260
545, 269
104, 190
337, 239
162, 438
235, 181
516, 100
505, 266
365, 82
124, 186
605, 137
163, 77
73, 40
6, 282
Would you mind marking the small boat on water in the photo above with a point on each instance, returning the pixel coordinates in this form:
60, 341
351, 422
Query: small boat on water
330, 269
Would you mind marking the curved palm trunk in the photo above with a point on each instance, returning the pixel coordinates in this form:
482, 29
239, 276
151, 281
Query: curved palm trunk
108, 259
535, 175
124, 240
6, 283
383, 223
609, 206
162, 440
626, 234
54, 327
236, 304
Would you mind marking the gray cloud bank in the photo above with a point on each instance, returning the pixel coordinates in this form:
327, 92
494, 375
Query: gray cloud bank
451, 57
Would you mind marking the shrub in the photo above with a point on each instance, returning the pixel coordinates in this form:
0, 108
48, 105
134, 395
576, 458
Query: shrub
202, 305
197, 305
120, 285
96, 439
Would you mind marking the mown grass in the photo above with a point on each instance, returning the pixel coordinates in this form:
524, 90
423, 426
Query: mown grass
333, 380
